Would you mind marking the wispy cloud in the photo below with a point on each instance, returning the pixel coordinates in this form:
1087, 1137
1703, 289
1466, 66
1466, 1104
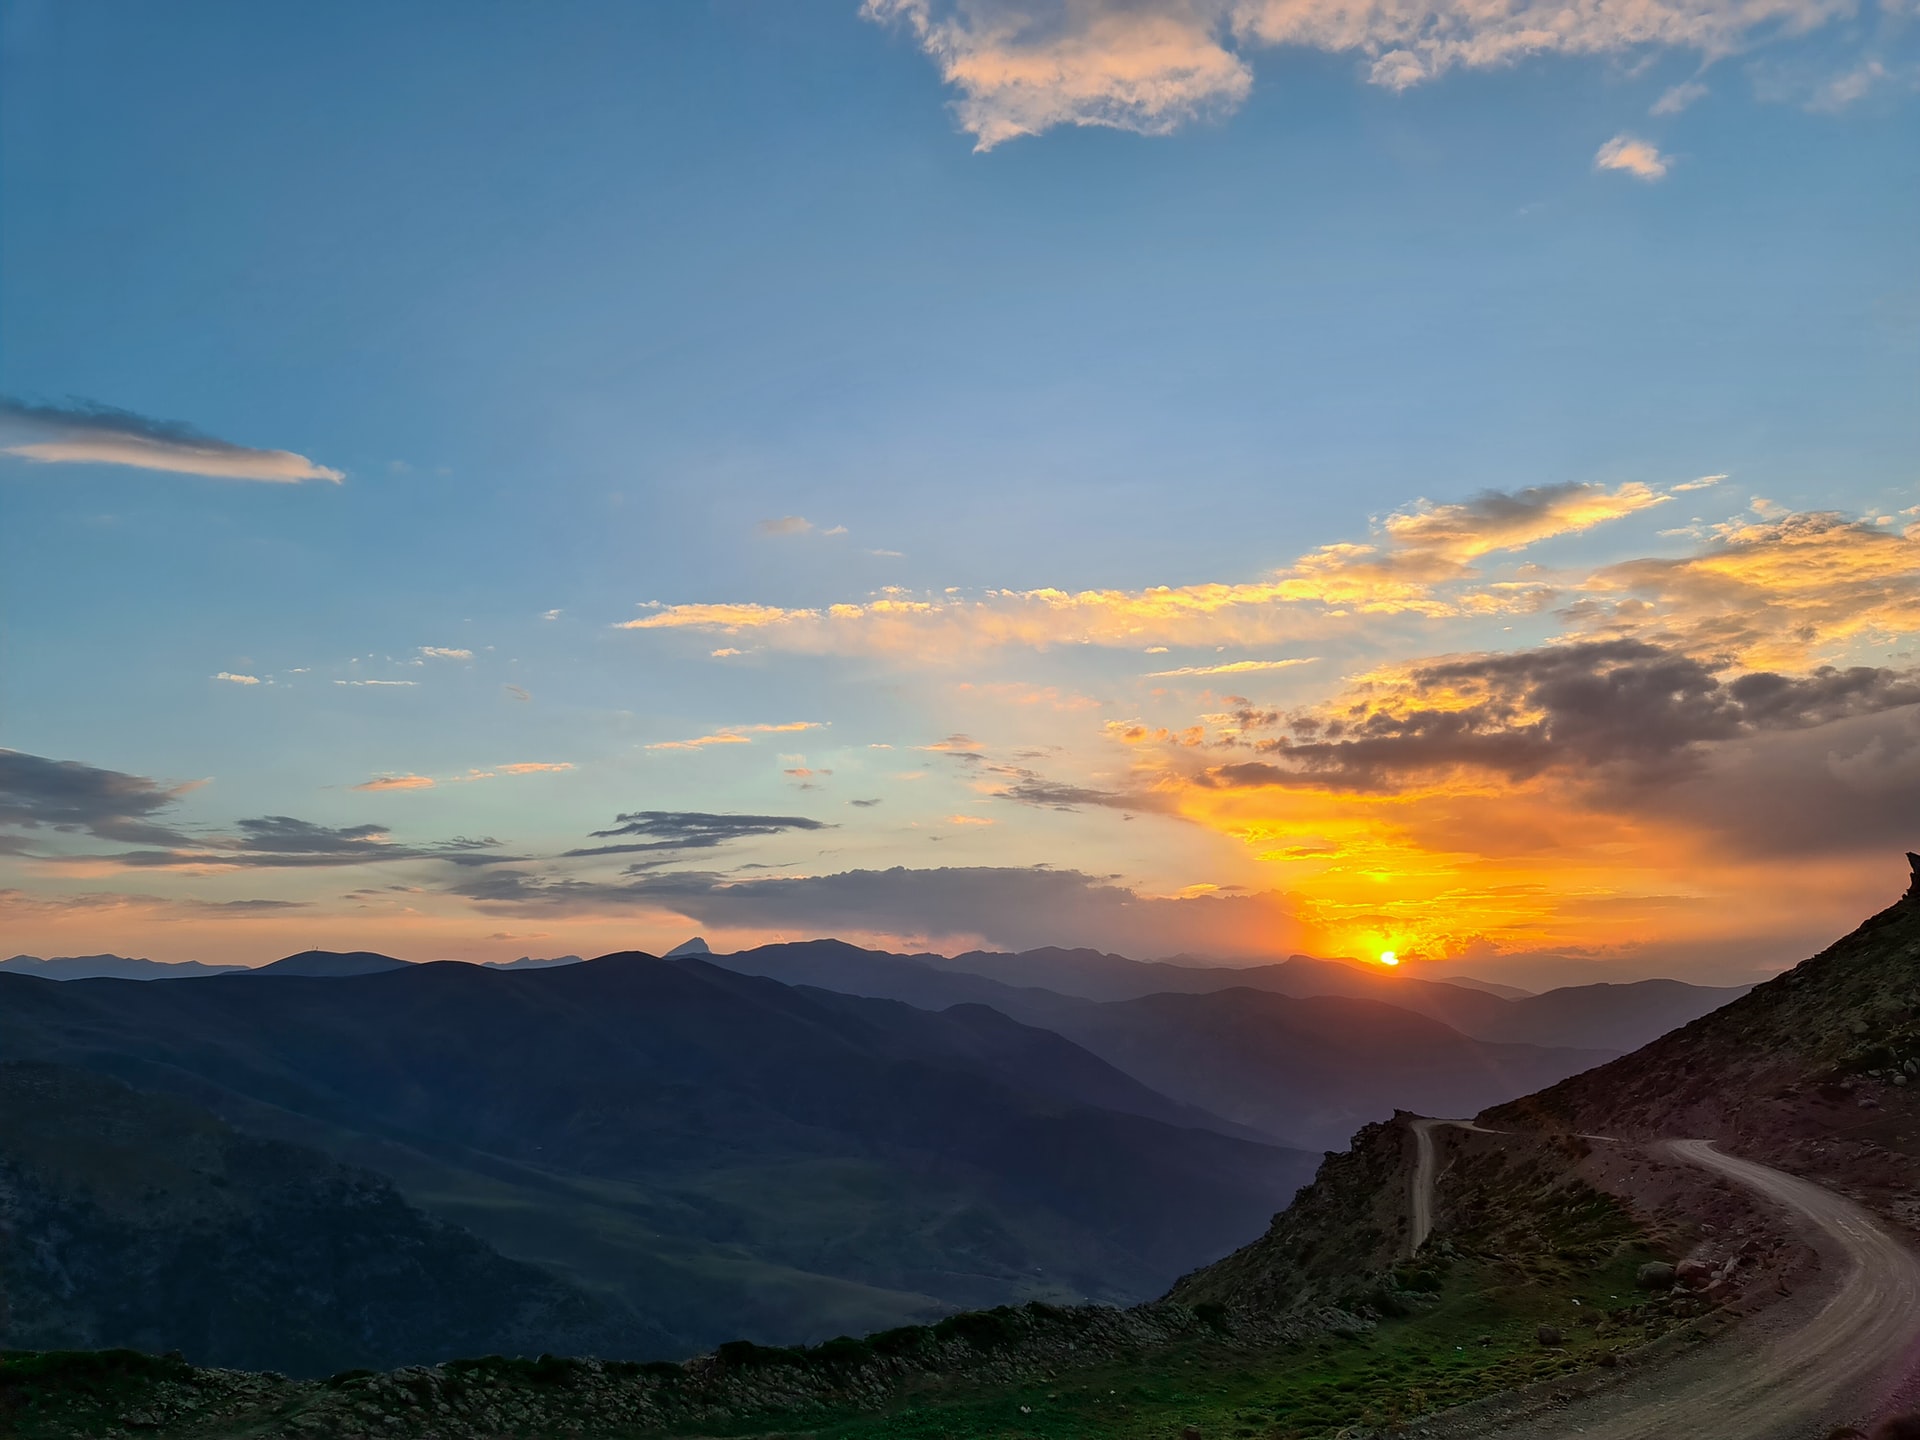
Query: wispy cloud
798, 525
427, 782
1678, 97
1021, 67
441, 652
657, 830
88, 434
233, 679
1404, 569
378, 684
398, 782
1234, 667
737, 735
1639, 158
516, 692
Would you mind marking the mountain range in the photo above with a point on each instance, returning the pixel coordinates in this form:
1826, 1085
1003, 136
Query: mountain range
722, 1154
1555, 1263
798, 1140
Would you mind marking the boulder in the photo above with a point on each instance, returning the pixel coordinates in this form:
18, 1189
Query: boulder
1549, 1335
1654, 1275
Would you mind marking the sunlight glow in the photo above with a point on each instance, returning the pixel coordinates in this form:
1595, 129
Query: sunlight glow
1387, 957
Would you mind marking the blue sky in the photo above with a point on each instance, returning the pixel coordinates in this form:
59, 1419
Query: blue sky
583, 302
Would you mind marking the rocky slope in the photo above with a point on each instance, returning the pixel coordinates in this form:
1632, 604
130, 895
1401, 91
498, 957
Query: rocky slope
1816, 1071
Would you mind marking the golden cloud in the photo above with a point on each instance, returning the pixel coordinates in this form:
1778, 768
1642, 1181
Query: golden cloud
1022, 67
1421, 564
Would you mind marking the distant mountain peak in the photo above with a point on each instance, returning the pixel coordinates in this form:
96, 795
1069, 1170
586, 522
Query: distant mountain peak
696, 946
332, 964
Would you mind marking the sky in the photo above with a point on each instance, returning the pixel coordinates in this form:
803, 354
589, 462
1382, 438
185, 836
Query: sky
1222, 478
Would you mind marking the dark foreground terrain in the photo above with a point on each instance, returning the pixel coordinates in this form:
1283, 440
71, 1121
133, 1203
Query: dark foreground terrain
1586, 1245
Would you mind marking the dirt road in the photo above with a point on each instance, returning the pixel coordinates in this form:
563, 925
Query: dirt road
1420, 1202
1811, 1362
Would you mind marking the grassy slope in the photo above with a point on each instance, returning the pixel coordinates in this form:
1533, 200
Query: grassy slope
1366, 1343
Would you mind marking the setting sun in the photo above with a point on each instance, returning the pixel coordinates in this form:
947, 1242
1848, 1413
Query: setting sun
1387, 957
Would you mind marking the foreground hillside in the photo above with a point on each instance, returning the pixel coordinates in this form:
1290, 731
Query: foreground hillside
140, 1220
1545, 1287
725, 1155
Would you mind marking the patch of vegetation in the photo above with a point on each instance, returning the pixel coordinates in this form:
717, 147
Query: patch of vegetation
1475, 1332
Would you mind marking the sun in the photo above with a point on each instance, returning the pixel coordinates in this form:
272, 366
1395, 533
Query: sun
1387, 957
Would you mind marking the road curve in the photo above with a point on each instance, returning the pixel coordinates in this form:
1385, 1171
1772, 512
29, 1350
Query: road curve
1420, 1200
1826, 1367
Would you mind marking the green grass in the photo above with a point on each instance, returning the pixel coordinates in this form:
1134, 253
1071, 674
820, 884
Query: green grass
1474, 1335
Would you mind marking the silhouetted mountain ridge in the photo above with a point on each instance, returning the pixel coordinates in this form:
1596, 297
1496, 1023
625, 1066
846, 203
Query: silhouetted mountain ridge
732, 1155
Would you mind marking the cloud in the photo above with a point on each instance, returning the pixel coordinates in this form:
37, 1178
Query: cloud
1625, 707
1022, 67
969, 820
438, 652
1416, 554
101, 435
551, 614
398, 782
798, 525
701, 742
1840, 91
1008, 906
516, 692
70, 796
689, 830
1236, 667
1639, 158
379, 684
274, 842
94, 903
1677, 98
737, 735
233, 679
427, 782
1705, 482
1782, 593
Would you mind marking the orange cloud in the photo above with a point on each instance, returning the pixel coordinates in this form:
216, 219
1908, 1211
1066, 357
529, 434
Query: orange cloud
398, 782
535, 767
737, 735
1421, 564
1786, 591
1022, 67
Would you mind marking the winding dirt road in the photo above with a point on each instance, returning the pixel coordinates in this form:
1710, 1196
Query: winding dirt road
1826, 1364
1420, 1205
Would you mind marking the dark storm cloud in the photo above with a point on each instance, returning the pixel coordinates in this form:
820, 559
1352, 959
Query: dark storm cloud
689, 830
1626, 707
